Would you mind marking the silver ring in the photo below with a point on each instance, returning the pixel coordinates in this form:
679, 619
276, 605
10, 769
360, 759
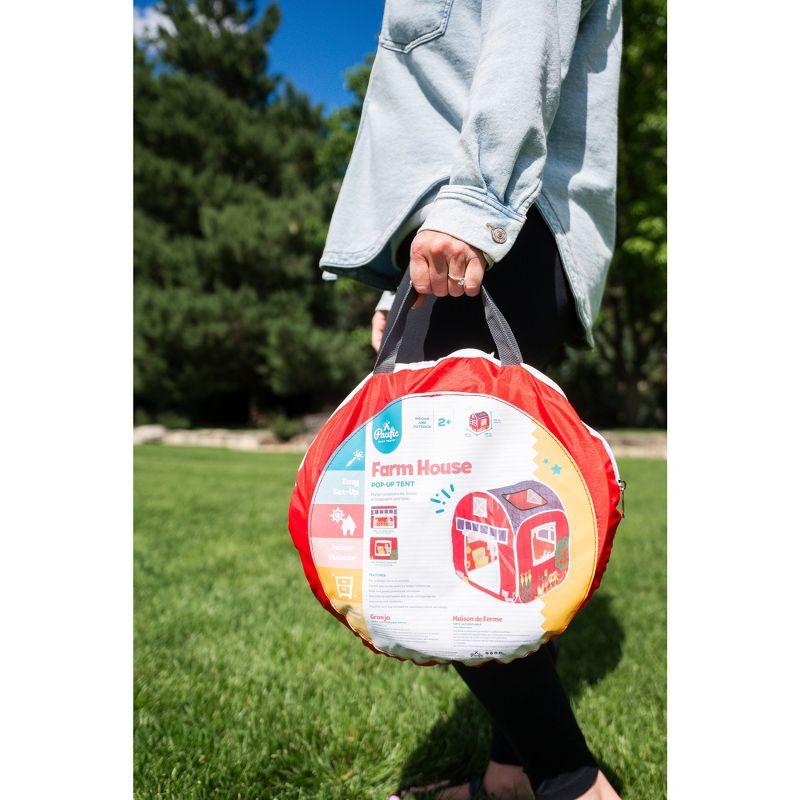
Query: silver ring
459, 281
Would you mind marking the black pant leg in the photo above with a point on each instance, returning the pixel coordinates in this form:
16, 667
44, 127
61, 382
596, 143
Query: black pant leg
532, 721
501, 750
528, 706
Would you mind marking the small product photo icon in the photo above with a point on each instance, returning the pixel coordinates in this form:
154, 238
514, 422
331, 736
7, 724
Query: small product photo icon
383, 548
383, 518
511, 542
480, 422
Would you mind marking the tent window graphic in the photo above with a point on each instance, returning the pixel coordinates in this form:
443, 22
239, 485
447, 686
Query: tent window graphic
518, 548
501, 534
479, 506
525, 499
543, 542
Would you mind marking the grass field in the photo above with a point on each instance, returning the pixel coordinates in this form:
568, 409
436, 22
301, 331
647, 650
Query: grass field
245, 688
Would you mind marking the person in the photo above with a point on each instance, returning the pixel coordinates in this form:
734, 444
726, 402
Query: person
486, 154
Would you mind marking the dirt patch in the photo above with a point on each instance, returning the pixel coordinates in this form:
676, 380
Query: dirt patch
624, 444
637, 444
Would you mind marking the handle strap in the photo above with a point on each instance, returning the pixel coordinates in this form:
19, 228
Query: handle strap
507, 348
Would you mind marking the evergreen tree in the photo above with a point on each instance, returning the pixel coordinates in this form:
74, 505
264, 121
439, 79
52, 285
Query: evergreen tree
232, 194
623, 381
236, 175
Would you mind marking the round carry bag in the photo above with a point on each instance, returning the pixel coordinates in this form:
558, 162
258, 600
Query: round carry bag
458, 509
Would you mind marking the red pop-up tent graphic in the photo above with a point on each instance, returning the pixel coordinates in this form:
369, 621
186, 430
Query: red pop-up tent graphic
511, 542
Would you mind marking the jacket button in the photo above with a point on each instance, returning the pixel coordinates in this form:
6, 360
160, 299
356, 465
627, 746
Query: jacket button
499, 235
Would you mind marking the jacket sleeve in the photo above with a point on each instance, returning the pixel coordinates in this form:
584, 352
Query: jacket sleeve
497, 167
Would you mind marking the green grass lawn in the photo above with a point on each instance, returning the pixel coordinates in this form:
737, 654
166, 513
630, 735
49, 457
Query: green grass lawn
246, 688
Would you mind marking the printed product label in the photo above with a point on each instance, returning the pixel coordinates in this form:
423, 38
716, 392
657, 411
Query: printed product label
453, 527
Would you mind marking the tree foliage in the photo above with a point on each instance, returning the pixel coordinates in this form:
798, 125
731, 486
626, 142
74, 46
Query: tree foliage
623, 381
236, 174
234, 180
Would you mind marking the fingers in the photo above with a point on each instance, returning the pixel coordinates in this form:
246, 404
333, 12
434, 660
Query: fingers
420, 270
378, 326
439, 262
455, 272
420, 275
473, 277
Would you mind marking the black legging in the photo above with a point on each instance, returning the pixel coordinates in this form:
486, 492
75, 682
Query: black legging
532, 721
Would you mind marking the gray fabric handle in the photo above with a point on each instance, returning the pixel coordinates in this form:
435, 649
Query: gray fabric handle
507, 348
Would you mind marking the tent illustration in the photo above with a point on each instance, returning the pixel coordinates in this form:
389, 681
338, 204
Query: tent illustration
511, 542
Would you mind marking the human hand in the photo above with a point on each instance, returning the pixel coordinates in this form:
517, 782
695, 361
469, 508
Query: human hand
439, 264
378, 324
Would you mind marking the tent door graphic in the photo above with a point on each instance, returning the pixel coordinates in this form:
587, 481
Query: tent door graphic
483, 562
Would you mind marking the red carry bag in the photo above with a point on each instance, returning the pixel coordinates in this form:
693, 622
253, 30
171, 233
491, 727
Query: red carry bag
458, 509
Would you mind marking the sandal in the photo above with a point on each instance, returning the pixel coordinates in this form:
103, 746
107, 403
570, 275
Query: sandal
475, 785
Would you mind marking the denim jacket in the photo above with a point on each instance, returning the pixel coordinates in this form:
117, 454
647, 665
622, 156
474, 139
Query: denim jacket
498, 104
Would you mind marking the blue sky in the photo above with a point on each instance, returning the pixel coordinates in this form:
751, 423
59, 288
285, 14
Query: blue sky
318, 40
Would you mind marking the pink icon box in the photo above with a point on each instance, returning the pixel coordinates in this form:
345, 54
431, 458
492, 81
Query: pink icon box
332, 520
337, 552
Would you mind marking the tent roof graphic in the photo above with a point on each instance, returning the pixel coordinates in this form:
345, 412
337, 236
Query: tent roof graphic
525, 499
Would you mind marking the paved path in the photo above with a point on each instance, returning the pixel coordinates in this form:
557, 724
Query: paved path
625, 444
637, 444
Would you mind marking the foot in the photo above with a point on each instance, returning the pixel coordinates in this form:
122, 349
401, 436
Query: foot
602, 790
443, 790
500, 782
506, 782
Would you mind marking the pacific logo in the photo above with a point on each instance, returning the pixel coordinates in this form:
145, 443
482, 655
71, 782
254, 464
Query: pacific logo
387, 428
388, 433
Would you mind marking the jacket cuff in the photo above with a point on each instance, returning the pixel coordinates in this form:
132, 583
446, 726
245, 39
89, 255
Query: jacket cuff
475, 217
